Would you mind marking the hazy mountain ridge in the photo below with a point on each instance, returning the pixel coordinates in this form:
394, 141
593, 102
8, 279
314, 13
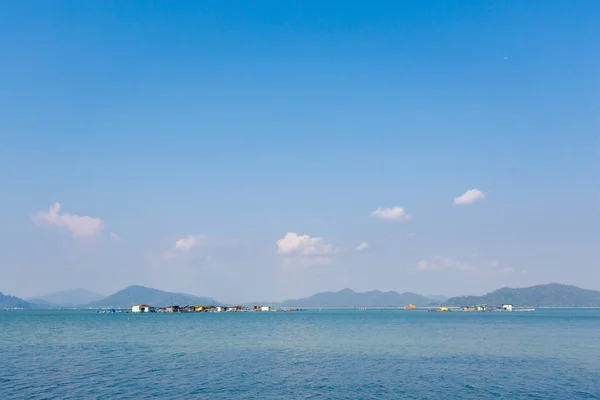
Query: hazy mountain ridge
67, 298
550, 295
39, 303
136, 294
7, 301
437, 298
350, 298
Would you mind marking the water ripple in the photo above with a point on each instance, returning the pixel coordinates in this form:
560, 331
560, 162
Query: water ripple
335, 355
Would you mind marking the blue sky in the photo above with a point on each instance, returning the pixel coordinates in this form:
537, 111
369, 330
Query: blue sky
225, 126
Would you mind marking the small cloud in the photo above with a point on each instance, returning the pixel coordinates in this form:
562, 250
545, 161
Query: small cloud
114, 236
80, 226
469, 197
362, 247
391, 214
189, 242
182, 250
305, 249
303, 244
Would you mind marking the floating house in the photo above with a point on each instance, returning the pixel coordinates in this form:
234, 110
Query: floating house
140, 308
484, 308
261, 308
441, 309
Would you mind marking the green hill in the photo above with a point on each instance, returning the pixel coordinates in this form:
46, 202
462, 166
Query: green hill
67, 298
142, 295
550, 295
350, 298
13, 302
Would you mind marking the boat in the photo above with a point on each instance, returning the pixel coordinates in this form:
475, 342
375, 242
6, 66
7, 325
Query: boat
441, 309
410, 307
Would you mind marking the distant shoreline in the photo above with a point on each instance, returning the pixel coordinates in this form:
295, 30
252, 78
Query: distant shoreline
358, 308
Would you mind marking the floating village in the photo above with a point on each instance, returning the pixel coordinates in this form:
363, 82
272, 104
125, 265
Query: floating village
483, 308
145, 308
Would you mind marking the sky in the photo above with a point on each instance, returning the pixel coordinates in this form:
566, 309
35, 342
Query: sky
265, 150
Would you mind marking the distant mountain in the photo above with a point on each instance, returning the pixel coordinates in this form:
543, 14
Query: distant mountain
67, 298
437, 299
350, 298
13, 302
551, 295
142, 295
40, 303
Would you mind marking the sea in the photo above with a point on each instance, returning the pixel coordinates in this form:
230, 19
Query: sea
317, 354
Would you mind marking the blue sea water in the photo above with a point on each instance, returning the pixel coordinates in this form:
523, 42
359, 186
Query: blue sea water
329, 354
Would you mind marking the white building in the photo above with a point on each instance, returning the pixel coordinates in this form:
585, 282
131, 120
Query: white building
142, 308
507, 307
265, 308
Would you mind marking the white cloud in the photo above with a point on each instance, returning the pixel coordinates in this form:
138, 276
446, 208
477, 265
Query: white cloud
189, 242
79, 226
303, 244
305, 249
487, 268
469, 197
182, 250
114, 236
391, 214
362, 247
